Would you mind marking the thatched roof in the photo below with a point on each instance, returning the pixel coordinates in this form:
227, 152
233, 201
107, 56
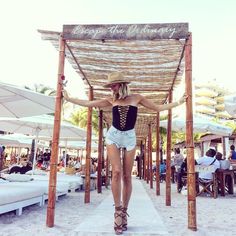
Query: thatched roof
151, 56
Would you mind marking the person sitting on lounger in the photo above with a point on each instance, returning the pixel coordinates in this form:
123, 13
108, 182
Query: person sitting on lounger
26, 166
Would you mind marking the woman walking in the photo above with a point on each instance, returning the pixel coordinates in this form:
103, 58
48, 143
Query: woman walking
121, 135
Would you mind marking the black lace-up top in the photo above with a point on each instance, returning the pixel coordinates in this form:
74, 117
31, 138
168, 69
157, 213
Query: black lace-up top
124, 117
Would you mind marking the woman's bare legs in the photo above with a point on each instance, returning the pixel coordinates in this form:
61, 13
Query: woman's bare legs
128, 163
114, 156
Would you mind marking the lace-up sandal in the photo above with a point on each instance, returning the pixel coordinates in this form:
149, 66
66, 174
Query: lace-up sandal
118, 220
124, 218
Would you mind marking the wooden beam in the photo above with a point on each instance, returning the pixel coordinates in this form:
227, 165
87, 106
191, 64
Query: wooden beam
158, 154
126, 31
88, 150
144, 159
147, 160
55, 139
84, 77
140, 160
150, 154
223, 146
100, 148
191, 177
107, 171
168, 155
136, 89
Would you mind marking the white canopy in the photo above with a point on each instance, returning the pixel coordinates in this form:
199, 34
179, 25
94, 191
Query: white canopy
41, 126
16, 140
19, 102
77, 144
200, 125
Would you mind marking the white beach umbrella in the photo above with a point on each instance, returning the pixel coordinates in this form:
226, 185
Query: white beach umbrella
230, 104
40, 126
77, 144
200, 125
16, 140
19, 102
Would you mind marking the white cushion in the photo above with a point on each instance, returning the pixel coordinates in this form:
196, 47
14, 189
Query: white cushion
36, 172
2, 181
18, 178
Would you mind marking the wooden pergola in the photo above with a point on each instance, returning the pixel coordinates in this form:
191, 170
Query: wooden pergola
154, 58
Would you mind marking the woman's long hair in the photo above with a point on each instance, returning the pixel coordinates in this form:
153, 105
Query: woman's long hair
123, 92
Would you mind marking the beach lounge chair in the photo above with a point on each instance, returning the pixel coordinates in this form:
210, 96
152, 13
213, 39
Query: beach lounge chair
61, 188
74, 181
13, 197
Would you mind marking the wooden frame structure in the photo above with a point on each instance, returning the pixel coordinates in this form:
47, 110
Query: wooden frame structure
151, 56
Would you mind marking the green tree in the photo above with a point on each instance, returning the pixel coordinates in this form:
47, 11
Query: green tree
80, 118
46, 90
40, 88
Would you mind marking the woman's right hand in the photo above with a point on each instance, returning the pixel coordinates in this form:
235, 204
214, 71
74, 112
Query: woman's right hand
65, 94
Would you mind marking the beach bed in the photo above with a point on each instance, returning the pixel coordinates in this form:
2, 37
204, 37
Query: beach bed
13, 197
62, 188
74, 181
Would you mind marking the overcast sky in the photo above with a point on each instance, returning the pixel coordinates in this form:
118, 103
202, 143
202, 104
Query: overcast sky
25, 59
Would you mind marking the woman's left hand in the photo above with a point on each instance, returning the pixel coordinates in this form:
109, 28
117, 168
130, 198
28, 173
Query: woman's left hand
182, 99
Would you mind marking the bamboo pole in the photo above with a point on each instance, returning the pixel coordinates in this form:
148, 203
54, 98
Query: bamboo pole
88, 150
158, 154
55, 139
107, 171
147, 161
192, 222
100, 143
223, 146
140, 161
202, 148
144, 160
168, 155
150, 154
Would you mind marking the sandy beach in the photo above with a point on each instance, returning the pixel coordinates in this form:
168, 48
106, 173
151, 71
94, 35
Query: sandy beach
214, 216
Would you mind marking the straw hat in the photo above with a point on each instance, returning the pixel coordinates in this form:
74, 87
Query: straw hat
115, 78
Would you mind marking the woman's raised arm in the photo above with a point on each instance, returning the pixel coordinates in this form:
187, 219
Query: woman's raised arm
151, 105
86, 103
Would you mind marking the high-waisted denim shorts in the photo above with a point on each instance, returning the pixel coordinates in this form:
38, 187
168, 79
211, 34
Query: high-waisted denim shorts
122, 139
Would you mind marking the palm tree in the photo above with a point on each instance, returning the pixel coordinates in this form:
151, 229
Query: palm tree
46, 90
40, 88
80, 118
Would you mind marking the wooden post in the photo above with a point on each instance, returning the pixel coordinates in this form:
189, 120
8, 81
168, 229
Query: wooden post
158, 154
144, 160
150, 154
192, 222
140, 160
147, 161
55, 139
88, 150
223, 146
168, 155
100, 144
202, 148
107, 171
